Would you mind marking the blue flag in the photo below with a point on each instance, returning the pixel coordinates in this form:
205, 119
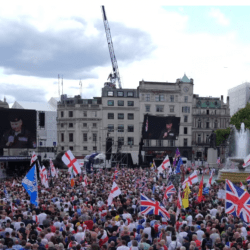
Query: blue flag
205, 190
30, 185
178, 167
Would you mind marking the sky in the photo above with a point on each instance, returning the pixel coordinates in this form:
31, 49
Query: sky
153, 41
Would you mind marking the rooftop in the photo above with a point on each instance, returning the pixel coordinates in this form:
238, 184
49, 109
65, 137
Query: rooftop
38, 106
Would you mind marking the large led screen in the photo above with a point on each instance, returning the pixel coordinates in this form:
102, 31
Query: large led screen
17, 128
160, 127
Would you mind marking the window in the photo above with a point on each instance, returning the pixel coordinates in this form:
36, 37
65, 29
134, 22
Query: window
157, 98
199, 138
147, 97
70, 113
185, 98
130, 94
120, 103
171, 98
215, 124
62, 137
71, 137
120, 116
171, 109
120, 141
71, 148
130, 103
185, 109
162, 98
120, 93
199, 123
159, 108
207, 139
147, 108
215, 112
130, 128
147, 143
110, 103
62, 148
85, 125
94, 114
185, 142
130, 140
94, 137
111, 127
94, 148
85, 114
94, 125
110, 93
185, 118
71, 125
121, 128
94, 101
207, 123
171, 143
85, 137
207, 111
130, 116
62, 114
110, 116
159, 143
185, 130
62, 125
85, 102
85, 148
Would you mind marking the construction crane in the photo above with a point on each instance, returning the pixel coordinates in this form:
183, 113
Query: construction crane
114, 76
80, 84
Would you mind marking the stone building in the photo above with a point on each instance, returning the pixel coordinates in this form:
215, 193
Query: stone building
209, 113
168, 99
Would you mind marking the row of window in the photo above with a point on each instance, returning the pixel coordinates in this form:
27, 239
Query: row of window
71, 125
206, 139
120, 103
120, 128
120, 116
207, 124
85, 137
120, 140
160, 143
160, 108
161, 98
121, 93
72, 148
70, 113
85, 114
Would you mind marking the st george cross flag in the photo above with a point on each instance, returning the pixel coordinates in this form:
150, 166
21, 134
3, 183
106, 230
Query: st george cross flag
178, 167
179, 204
70, 160
33, 158
237, 202
248, 180
44, 176
30, 185
210, 179
165, 164
246, 161
170, 190
192, 179
52, 167
85, 181
153, 207
115, 191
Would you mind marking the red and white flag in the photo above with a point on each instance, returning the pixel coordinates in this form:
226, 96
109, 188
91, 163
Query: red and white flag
52, 167
115, 191
70, 160
104, 239
179, 204
210, 179
14, 183
246, 161
44, 177
192, 179
165, 164
85, 181
33, 158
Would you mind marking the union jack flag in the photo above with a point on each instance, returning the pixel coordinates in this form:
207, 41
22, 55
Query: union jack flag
169, 190
115, 175
237, 201
153, 207
248, 180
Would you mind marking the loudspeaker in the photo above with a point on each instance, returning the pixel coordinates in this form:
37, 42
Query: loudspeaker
108, 148
41, 119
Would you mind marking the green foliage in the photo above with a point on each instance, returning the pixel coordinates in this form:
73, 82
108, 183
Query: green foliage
221, 135
243, 115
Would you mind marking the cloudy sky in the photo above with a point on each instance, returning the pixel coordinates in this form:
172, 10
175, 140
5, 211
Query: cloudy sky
153, 40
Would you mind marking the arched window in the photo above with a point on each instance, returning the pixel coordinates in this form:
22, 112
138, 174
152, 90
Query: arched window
199, 123
207, 123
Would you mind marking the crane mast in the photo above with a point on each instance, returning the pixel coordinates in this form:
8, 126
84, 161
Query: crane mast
115, 76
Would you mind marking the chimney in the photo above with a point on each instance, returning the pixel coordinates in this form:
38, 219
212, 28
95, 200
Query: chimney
221, 98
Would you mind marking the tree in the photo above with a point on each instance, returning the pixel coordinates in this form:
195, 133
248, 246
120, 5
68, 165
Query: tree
222, 135
243, 115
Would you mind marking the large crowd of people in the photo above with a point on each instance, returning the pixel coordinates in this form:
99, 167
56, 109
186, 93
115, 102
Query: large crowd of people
78, 217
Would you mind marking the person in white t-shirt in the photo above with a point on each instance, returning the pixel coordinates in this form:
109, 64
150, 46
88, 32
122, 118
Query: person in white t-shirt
189, 220
147, 230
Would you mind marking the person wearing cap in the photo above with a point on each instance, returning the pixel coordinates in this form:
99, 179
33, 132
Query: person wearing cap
17, 136
168, 133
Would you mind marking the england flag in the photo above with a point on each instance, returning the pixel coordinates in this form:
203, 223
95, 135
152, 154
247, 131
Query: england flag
115, 191
70, 160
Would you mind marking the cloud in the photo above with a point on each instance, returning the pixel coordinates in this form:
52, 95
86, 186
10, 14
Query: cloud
21, 93
219, 17
27, 51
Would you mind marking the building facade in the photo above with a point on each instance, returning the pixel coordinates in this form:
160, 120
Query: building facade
168, 99
209, 113
79, 124
239, 96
